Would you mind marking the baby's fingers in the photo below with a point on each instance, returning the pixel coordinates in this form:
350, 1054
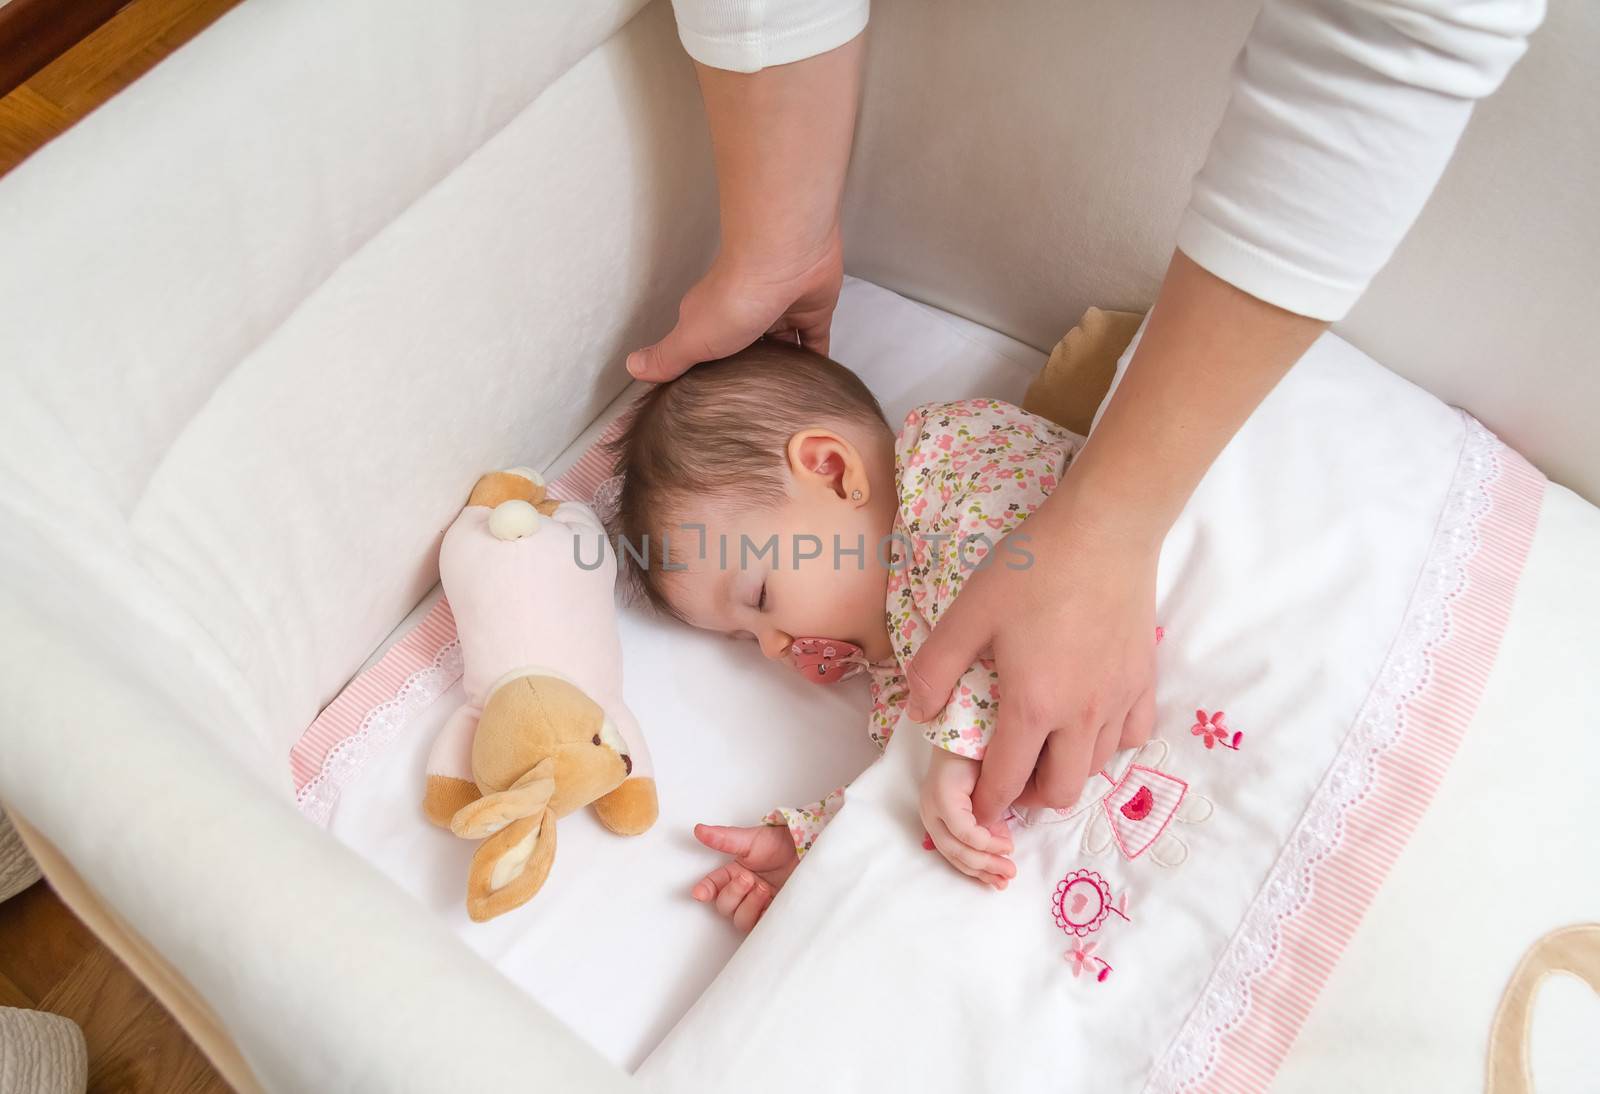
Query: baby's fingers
965, 827
987, 868
743, 881
752, 906
983, 846
730, 841
712, 884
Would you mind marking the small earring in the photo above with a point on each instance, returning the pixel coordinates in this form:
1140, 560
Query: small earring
855, 495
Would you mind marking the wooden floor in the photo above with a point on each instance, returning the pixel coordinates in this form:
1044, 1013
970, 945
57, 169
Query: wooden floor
50, 961
108, 60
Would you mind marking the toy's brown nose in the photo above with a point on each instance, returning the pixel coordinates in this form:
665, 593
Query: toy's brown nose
627, 764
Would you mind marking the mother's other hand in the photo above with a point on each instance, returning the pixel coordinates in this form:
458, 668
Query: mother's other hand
1072, 636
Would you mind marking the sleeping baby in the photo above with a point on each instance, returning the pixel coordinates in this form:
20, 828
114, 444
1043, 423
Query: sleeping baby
765, 496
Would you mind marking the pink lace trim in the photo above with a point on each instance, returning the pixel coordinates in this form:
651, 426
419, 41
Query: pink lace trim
1382, 780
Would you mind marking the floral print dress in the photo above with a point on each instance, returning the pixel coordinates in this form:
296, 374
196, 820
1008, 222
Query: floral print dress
969, 472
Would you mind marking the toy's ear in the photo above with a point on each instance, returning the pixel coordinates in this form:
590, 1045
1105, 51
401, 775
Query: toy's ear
517, 484
527, 797
1079, 373
510, 866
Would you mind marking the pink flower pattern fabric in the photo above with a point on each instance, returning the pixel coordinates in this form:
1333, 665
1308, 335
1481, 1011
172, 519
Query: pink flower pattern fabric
968, 472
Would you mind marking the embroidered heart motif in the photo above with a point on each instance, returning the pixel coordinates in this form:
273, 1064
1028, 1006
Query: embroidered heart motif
1138, 807
1078, 901
1144, 801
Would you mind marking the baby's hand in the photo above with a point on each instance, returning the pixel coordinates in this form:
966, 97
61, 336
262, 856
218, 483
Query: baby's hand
946, 808
763, 858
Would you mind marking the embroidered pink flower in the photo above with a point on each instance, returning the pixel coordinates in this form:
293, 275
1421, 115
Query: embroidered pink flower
1212, 729
1081, 958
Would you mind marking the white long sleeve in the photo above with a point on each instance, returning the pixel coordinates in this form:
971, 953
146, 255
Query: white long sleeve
1343, 116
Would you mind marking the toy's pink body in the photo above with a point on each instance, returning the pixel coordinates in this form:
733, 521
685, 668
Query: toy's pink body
527, 606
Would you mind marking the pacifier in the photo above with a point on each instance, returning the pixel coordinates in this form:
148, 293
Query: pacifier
826, 660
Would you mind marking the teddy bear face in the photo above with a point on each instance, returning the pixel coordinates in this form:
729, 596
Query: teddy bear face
537, 716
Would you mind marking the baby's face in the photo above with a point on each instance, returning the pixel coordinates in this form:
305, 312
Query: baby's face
774, 574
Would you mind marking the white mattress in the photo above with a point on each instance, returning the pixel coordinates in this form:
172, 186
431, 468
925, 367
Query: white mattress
614, 945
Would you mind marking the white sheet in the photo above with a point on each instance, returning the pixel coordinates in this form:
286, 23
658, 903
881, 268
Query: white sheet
613, 945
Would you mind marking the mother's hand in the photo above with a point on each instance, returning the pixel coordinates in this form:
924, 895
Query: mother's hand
1073, 639
1073, 635
738, 300
781, 141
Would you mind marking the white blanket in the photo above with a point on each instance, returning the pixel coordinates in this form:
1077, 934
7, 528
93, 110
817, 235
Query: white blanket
1336, 587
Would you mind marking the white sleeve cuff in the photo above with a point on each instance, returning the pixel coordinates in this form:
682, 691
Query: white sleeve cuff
1264, 275
1342, 118
749, 35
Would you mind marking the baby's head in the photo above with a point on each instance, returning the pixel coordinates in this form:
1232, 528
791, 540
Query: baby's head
738, 471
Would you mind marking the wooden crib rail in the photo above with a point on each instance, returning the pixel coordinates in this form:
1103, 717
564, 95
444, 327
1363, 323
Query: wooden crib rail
166, 983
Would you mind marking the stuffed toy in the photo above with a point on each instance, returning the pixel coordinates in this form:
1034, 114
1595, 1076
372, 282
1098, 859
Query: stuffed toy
544, 730
1075, 380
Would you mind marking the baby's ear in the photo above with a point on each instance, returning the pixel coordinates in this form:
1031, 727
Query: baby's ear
817, 452
822, 456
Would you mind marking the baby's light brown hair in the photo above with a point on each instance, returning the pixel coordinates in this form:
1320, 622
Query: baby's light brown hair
720, 434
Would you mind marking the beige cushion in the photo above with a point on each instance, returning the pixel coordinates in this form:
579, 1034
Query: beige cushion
41, 1053
17, 868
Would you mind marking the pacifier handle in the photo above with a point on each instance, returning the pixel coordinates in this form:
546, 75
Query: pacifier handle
826, 660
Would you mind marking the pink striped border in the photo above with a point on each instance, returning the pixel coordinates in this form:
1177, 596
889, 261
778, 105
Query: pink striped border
1406, 775
379, 684
580, 481
420, 647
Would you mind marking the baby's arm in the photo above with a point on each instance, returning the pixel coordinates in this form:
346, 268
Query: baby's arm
946, 806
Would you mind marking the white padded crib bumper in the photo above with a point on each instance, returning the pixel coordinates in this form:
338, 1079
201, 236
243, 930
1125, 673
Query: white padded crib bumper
266, 316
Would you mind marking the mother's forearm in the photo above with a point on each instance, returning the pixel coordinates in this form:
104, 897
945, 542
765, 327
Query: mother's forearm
781, 141
1209, 355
